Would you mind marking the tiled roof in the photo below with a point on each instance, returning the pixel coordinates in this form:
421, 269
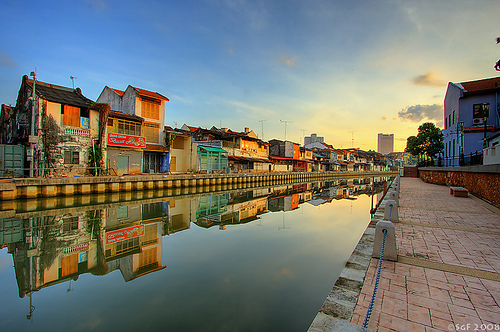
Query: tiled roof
151, 94
155, 147
59, 94
120, 92
481, 85
126, 116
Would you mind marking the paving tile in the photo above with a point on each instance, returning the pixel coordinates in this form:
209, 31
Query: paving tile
433, 299
419, 315
398, 324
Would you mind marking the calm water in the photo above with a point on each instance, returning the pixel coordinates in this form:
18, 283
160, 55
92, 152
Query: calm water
255, 260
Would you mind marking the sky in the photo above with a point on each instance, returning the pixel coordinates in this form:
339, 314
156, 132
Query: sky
345, 70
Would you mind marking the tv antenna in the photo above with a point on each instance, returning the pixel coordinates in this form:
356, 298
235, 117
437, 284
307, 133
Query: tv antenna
352, 137
262, 123
285, 122
72, 78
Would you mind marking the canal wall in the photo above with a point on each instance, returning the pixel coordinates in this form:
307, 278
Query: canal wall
336, 312
482, 181
28, 188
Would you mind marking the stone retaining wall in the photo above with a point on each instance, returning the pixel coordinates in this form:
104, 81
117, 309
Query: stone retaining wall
480, 181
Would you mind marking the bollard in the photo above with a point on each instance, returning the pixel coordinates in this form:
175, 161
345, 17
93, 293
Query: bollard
393, 195
390, 250
391, 211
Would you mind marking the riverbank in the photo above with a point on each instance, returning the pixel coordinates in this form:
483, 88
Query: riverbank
447, 275
23, 188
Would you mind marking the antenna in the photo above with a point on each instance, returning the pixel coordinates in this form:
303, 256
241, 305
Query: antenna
285, 122
72, 78
352, 137
262, 122
303, 135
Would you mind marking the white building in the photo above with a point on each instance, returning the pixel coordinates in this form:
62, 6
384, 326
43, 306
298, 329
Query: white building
385, 143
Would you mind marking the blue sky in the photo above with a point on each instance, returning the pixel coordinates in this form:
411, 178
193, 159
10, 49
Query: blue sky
346, 70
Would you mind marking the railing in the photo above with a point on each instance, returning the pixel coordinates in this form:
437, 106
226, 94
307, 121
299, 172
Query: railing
475, 158
74, 131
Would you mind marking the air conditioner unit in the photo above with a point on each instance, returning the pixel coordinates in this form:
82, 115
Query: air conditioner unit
477, 121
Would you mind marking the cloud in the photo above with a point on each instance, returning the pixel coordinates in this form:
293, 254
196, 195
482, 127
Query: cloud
288, 61
428, 79
6, 61
383, 117
96, 4
418, 113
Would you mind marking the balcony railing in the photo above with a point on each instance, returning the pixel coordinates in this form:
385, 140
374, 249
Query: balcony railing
75, 131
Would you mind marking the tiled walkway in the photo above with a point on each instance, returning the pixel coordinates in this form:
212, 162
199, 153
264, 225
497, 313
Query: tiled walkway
438, 233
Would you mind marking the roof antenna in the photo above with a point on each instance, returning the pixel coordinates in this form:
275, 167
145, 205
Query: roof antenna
73, 80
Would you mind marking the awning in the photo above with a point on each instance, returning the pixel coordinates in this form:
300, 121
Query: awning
211, 149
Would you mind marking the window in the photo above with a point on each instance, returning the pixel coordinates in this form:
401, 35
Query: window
150, 108
127, 245
71, 116
124, 127
152, 132
71, 157
478, 111
70, 224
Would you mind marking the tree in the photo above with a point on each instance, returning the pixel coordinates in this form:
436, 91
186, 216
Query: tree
428, 142
497, 65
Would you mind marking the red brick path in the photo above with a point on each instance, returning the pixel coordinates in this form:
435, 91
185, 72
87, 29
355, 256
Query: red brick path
437, 227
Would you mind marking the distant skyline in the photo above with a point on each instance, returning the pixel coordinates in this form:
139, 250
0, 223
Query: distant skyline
345, 70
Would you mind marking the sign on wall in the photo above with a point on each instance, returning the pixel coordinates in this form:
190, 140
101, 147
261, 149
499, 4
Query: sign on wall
124, 234
126, 141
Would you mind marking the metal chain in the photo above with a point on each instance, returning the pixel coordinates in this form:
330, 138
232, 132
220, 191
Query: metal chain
372, 301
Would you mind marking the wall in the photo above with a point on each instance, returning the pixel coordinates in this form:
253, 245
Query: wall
482, 181
134, 159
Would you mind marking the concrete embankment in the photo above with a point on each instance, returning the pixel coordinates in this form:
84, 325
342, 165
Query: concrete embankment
336, 312
22, 188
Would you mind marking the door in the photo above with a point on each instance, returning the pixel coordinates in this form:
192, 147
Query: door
122, 165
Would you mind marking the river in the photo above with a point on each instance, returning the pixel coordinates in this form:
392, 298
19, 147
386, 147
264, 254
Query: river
261, 259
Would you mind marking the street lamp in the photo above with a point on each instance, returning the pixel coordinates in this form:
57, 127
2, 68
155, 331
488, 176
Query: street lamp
486, 109
462, 159
31, 137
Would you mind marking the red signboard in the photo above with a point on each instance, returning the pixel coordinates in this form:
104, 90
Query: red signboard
124, 234
126, 140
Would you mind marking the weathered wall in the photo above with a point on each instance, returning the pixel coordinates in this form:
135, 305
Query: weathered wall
483, 184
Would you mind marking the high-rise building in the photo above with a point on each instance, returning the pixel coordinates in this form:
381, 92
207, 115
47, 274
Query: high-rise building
385, 143
313, 139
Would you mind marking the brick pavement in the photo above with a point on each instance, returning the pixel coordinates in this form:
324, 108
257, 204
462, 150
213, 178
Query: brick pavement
438, 233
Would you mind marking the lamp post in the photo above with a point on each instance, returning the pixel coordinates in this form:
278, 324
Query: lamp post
462, 159
486, 109
31, 138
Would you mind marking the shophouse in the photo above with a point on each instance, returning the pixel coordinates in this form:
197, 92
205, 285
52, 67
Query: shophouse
285, 155
150, 108
55, 124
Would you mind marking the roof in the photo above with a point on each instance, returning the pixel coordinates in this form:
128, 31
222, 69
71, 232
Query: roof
120, 92
126, 116
59, 94
211, 149
155, 147
150, 94
481, 85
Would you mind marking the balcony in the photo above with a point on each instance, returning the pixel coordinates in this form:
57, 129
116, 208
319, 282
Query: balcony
75, 131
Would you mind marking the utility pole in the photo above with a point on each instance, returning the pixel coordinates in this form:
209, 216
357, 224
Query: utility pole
262, 123
285, 122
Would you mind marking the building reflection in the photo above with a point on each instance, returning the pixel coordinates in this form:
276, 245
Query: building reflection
58, 245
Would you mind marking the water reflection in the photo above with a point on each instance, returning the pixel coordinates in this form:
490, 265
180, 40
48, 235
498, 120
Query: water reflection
60, 241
